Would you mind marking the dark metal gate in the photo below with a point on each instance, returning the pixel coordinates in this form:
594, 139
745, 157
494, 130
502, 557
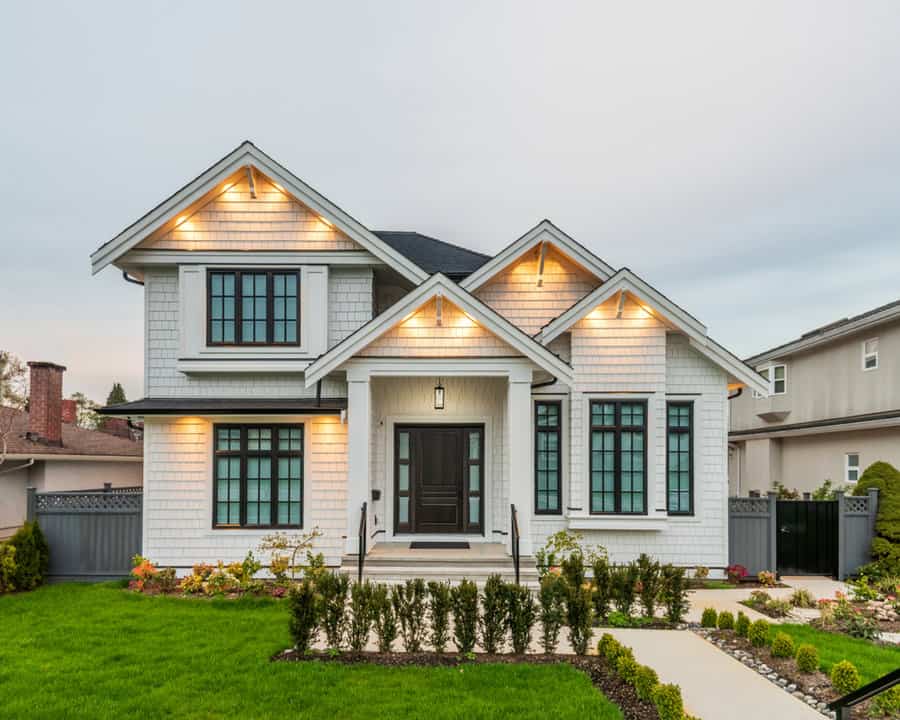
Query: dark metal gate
807, 537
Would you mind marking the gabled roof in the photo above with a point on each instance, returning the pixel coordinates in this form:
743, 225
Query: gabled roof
409, 303
832, 331
433, 255
625, 281
248, 154
544, 231
75, 441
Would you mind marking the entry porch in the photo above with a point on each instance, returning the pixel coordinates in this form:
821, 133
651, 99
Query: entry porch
439, 451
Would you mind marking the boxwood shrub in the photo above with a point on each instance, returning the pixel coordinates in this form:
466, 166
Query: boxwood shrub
708, 618
726, 620
759, 633
742, 624
844, 677
807, 658
782, 646
668, 702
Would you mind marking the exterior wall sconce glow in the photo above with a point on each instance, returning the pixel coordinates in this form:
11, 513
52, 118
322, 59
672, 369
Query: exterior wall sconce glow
439, 396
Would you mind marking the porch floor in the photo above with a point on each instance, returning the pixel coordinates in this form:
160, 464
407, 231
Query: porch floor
395, 562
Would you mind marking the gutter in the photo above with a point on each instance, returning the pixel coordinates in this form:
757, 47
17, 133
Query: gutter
18, 467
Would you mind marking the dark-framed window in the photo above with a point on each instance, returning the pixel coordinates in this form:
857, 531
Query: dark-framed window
548, 457
618, 457
680, 458
257, 476
474, 479
253, 307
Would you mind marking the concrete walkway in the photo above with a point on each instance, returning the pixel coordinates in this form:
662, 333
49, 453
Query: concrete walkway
713, 684
820, 587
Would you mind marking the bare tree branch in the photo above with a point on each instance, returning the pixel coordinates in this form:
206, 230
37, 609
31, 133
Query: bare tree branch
13, 396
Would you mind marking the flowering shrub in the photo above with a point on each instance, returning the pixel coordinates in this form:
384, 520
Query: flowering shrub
766, 578
736, 573
143, 572
701, 572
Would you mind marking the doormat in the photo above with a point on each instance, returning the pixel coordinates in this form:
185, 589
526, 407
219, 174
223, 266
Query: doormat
449, 545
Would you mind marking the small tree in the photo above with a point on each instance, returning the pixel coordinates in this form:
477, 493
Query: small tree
86, 415
13, 396
116, 395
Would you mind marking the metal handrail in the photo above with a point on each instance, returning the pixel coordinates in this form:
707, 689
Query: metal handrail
514, 535
362, 540
843, 704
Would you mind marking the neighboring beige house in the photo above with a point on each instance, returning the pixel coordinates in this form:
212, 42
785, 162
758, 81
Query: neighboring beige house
48, 452
302, 369
833, 407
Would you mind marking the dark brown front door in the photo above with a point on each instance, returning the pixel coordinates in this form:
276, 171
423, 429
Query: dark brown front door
438, 479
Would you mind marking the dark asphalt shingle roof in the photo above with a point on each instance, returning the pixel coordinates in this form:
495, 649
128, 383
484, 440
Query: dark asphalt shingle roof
433, 255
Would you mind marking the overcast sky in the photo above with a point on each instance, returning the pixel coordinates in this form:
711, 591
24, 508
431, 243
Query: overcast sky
744, 160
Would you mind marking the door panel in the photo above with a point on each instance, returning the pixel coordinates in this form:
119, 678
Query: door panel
438, 481
431, 464
807, 537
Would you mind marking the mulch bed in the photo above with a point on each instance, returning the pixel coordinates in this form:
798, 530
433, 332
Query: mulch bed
595, 667
761, 609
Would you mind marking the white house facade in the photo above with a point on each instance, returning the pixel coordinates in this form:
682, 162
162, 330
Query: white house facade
301, 369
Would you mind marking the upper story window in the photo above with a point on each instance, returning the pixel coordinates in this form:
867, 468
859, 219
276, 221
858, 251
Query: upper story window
618, 457
777, 377
870, 354
851, 473
253, 307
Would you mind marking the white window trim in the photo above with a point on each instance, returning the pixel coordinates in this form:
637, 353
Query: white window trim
848, 467
771, 379
866, 356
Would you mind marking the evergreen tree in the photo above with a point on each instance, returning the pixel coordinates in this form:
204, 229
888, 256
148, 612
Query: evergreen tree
116, 395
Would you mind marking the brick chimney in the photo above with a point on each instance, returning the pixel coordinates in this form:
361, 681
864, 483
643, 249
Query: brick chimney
69, 412
45, 403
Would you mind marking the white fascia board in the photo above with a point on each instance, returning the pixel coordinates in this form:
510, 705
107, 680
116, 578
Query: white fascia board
44, 457
480, 312
544, 231
731, 363
245, 154
144, 258
627, 281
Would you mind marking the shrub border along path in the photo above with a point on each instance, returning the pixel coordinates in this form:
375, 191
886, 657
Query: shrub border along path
603, 677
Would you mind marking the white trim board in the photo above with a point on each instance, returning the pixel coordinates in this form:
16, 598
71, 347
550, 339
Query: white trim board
625, 281
544, 231
247, 154
412, 301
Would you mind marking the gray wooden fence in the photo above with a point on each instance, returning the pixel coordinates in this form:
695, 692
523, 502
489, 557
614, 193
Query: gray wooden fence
92, 534
753, 531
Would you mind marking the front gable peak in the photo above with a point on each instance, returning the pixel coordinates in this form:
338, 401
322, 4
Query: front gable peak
545, 232
260, 173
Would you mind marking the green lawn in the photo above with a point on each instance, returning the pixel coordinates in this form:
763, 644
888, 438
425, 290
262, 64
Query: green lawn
97, 651
871, 660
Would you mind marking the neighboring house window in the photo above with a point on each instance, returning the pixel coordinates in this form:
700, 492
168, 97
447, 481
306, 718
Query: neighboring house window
852, 473
777, 378
618, 457
870, 354
258, 476
547, 457
253, 308
680, 460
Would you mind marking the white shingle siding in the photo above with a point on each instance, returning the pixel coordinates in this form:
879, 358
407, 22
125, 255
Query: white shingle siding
178, 493
698, 540
349, 307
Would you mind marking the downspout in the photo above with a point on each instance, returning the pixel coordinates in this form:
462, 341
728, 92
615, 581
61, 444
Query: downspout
737, 448
18, 467
739, 392
130, 279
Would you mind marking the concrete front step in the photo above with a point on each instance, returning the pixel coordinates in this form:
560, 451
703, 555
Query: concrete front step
395, 570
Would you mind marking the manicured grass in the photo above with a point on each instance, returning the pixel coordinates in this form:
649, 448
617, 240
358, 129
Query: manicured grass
870, 659
101, 652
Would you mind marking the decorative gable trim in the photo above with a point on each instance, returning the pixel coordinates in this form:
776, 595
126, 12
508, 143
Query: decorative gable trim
438, 284
625, 281
248, 155
544, 231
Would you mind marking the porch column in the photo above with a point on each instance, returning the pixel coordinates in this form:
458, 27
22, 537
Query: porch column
359, 419
521, 482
